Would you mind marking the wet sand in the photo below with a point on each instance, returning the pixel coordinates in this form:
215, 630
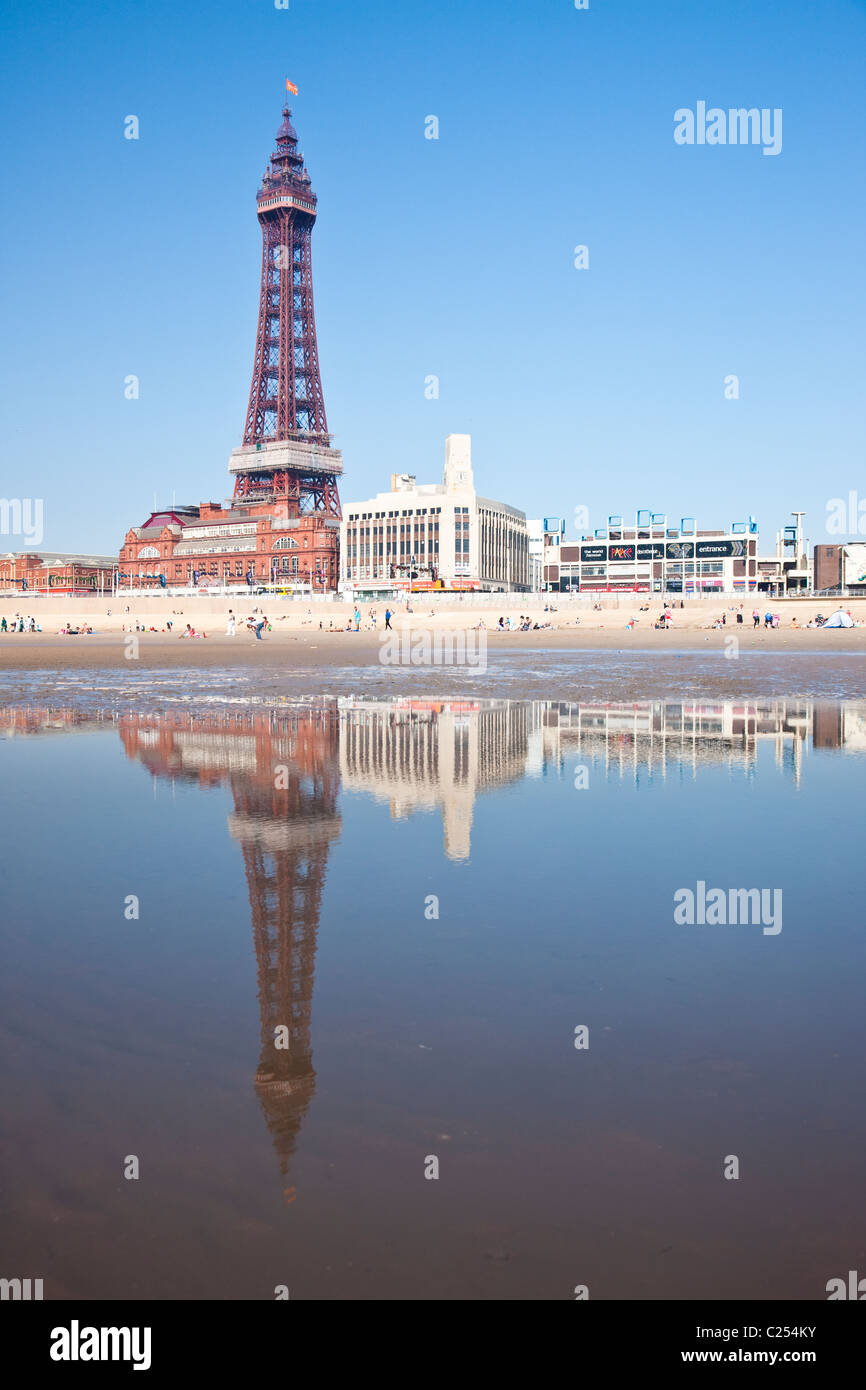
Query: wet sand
597, 657
290, 647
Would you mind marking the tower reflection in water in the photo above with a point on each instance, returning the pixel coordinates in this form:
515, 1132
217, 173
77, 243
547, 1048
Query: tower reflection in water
285, 768
284, 775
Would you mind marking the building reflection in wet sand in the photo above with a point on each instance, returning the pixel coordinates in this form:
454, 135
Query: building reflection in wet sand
285, 769
284, 776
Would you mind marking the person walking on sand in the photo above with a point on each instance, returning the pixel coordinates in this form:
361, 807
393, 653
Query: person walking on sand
356, 618
388, 616
230, 629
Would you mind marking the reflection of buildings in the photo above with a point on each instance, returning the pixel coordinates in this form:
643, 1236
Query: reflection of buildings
284, 775
658, 736
285, 767
417, 754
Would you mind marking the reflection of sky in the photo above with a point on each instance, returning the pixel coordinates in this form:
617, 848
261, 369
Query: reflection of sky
705, 1040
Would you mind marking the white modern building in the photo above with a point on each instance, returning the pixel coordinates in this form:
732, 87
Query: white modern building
434, 535
651, 556
545, 537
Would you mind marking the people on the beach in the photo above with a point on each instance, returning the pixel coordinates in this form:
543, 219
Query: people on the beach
230, 627
388, 616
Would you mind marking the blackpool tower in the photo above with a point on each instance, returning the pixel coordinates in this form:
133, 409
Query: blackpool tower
286, 456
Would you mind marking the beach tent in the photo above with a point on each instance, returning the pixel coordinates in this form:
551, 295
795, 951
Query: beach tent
840, 619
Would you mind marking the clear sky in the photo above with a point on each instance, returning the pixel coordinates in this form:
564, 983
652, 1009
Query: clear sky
602, 388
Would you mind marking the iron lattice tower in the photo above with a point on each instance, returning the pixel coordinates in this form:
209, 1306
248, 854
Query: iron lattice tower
287, 404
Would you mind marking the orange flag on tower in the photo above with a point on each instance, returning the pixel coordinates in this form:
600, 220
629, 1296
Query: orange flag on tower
290, 87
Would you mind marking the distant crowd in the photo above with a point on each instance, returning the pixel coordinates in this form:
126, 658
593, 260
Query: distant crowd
19, 624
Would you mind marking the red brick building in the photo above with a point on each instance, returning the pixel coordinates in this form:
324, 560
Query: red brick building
828, 567
211, 546
43, 572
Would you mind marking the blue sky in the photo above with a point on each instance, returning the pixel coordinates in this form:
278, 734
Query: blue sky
601, 388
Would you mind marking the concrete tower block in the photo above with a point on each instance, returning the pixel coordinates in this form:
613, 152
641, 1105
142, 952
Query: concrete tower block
458, 463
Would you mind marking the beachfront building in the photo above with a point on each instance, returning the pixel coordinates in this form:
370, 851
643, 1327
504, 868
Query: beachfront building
789, 571
431, 536
545, 537
49, 572
841, 569
210, 548
651, 555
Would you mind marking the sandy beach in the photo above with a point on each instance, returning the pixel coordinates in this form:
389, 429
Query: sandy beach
597, 658
301, 635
